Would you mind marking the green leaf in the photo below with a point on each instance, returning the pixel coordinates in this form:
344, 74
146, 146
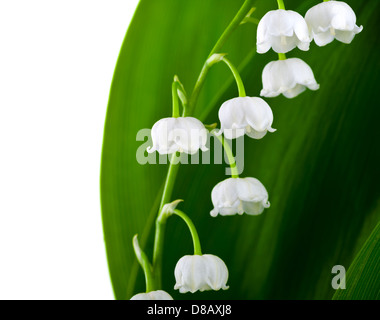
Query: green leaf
320, 167
363, 277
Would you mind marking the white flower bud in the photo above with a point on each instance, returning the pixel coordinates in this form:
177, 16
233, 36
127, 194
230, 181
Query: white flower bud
183, 134
245, 115
289, 77
239, 195
332, 19
200, 272
153, 295
282, 30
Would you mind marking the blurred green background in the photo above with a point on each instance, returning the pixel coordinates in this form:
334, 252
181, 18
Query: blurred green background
321, 166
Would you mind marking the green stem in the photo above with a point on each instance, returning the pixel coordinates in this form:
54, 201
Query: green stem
193, 231
281, 56
158, 249
145, 265
281, 4
175, 112
170, 179
237, 77
230, 156
241, 14
161, 221
211, 60
245, 8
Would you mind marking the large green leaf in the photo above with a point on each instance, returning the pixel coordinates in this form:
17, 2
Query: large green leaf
320, 167
363, 277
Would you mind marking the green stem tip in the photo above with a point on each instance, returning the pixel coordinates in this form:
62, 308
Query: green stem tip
145, 264
281, 56
181, 93
281, 4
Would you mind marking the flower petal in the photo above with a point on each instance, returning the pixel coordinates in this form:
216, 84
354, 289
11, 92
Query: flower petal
258, 114
249, 195
277, 78
231, 115
253, 208
283, 30
323, 38
288, 77
153, 295
332, 19
200, 273
295, 91
344, 36
184, 134
302, 73
251, 189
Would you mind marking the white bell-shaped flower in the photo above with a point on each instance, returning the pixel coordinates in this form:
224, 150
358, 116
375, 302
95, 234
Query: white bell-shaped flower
153, 295
245, 115
290, 77
183, 134
200, 272
239, 195
332, 19
282, 30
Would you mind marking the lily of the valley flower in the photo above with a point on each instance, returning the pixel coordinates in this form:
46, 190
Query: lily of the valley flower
283, 30
153, 295
183, 134
238, 195
289, 77
245, 115
200, 272
332, 19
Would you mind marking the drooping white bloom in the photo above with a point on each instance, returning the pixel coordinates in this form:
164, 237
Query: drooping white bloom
332, 19
200, 272
153, 295
282, 30
238, 195
245, 115
290, 77
183, 134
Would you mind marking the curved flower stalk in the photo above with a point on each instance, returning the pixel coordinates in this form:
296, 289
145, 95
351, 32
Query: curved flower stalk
289, 77
196, 272
282, 30
153, 295
239, 195
200, 273
182, 134
332, 20
245, 115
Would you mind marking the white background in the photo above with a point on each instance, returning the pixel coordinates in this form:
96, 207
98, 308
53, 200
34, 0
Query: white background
57, 59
